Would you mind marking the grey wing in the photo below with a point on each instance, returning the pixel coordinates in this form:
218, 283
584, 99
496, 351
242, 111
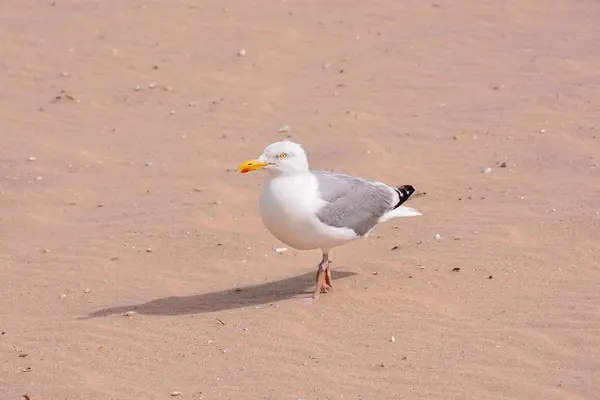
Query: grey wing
353, 203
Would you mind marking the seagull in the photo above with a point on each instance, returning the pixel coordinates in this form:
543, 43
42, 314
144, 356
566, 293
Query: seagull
308, 209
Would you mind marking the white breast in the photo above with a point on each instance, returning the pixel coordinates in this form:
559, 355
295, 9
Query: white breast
288, 206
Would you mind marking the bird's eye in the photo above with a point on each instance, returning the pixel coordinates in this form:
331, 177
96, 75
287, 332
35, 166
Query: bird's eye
283, 156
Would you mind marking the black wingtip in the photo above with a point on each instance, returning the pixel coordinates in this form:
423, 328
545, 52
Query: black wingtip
404, 193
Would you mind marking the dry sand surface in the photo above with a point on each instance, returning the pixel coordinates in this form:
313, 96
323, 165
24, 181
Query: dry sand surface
122, 123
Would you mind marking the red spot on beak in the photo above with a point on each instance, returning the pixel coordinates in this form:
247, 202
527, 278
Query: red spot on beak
245, 170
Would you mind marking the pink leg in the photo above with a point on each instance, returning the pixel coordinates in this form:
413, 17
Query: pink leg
323, 277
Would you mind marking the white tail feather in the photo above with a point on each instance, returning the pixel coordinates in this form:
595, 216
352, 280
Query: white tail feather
401, 211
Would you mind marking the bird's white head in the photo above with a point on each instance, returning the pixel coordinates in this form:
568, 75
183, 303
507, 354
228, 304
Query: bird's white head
279, 158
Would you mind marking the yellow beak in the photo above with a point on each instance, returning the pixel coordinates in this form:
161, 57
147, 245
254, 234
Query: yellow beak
251, 165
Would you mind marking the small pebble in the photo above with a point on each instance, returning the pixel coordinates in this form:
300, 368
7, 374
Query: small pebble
284, 128
503, 165
38, 178
129, 313
281, 250
490, 277
455, 269
382, 365
486, 170
375, 273
175, 393
152, 85
393, 339
87, 290
62, 296
31, 159
241, 53
172, 112
149, 250
437, 236
137, 88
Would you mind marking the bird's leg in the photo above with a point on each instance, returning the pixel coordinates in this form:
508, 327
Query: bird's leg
328, 275
323, 276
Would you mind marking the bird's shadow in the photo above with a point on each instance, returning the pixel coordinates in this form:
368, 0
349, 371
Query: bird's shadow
225, 299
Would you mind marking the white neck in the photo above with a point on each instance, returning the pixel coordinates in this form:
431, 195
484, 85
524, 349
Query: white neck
275, 173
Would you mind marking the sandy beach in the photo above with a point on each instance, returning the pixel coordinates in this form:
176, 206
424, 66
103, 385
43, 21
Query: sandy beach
133, 260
